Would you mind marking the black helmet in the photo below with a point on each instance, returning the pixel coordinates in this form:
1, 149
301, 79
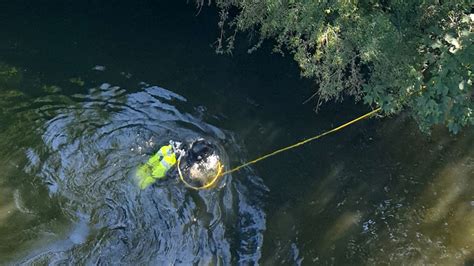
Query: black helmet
200, 149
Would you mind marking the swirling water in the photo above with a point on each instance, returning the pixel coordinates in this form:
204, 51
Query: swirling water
90, 146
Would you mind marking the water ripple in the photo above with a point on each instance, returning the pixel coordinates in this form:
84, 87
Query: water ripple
91, 145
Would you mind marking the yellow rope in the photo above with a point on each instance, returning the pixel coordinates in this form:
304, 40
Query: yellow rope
206, 186
219, 173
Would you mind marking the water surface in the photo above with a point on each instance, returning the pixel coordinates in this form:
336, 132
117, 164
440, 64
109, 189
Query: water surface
88, 89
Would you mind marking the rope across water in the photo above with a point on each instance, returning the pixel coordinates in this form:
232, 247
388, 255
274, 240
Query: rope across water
220, 166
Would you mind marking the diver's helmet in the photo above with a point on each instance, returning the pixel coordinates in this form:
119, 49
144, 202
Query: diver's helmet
200, 165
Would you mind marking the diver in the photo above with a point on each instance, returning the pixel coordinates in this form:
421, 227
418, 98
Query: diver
199, 160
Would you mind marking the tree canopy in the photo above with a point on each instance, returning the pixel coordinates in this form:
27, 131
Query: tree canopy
399, 55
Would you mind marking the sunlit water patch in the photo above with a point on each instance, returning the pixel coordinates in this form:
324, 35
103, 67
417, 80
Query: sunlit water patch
399, 198
82, 156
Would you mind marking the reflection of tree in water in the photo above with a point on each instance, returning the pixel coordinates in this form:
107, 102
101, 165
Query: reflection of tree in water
406, 198
10, 76
437, 227
23, 217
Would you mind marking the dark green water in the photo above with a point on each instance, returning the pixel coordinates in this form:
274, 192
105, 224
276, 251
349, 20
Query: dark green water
86, 89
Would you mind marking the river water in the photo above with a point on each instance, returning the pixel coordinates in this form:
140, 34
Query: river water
88, 90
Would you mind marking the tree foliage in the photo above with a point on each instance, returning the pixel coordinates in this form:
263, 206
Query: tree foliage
401, 55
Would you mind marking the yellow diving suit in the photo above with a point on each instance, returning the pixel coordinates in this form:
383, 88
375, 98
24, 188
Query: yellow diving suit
156, 167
